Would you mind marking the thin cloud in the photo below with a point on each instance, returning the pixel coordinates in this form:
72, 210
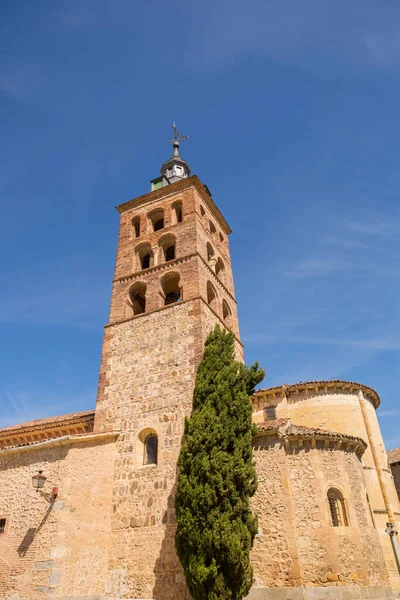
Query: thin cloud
353, 35
374, 227
388, 413
379, 343
18, 85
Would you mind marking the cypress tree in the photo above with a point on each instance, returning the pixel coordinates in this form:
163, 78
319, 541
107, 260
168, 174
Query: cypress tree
215, 526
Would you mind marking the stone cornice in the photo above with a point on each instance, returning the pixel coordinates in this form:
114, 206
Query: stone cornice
317, 387
294, 436
174, 188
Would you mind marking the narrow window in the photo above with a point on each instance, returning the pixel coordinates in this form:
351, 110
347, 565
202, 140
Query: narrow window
202, 211
221, 237
210, 251
146, 261
270, 413
212, 228
150, 450
170, 253
2, 526
337, 508
136, 226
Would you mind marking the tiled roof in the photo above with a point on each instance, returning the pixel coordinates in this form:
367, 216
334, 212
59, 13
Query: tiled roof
48, 423
333, 383
52, 439
393, 456
284, 427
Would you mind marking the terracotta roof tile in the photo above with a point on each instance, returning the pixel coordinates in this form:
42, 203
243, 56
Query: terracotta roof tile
322, 383
285, 427
49, 422
393, 456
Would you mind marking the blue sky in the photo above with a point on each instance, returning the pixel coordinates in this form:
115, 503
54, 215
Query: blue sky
292, 112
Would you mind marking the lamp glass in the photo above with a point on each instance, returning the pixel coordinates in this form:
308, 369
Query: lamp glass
38, 481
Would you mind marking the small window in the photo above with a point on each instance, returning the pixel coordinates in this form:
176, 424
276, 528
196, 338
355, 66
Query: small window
150, 450
202, 211
2, 526
136, 226
210, 251
337, 508
221, 237
212, 228
270, 413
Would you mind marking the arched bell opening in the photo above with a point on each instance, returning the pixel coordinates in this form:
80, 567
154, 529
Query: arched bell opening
171, 288
145, 256
219, 267
177, 214
211, 295
168, 247
157, 219
137, 298
226, 314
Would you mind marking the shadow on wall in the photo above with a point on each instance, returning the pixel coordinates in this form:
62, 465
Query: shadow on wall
29, 537
170, 582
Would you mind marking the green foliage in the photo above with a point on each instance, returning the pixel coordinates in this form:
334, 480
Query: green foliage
215, 526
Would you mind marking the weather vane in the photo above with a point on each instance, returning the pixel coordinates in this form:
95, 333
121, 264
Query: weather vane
176, 139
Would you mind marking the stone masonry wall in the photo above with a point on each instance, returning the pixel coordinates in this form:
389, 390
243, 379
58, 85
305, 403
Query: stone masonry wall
56, 549
297, 544
149, 365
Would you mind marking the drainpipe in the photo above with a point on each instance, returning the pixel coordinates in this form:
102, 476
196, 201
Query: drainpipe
378, 467
395, 543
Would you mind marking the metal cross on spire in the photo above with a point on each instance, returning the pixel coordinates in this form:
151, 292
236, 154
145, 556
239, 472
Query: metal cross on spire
176, 139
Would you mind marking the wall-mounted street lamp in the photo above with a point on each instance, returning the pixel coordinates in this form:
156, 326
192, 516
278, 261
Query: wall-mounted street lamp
38, 482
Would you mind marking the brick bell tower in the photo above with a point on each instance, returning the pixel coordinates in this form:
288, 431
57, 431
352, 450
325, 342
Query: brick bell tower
173, 283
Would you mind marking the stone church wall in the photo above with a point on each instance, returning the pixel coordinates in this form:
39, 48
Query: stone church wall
56, 549
297, 545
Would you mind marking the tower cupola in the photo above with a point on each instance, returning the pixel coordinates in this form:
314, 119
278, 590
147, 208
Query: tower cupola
175, 168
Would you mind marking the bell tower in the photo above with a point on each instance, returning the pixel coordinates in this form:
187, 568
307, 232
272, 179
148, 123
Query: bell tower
173, 283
